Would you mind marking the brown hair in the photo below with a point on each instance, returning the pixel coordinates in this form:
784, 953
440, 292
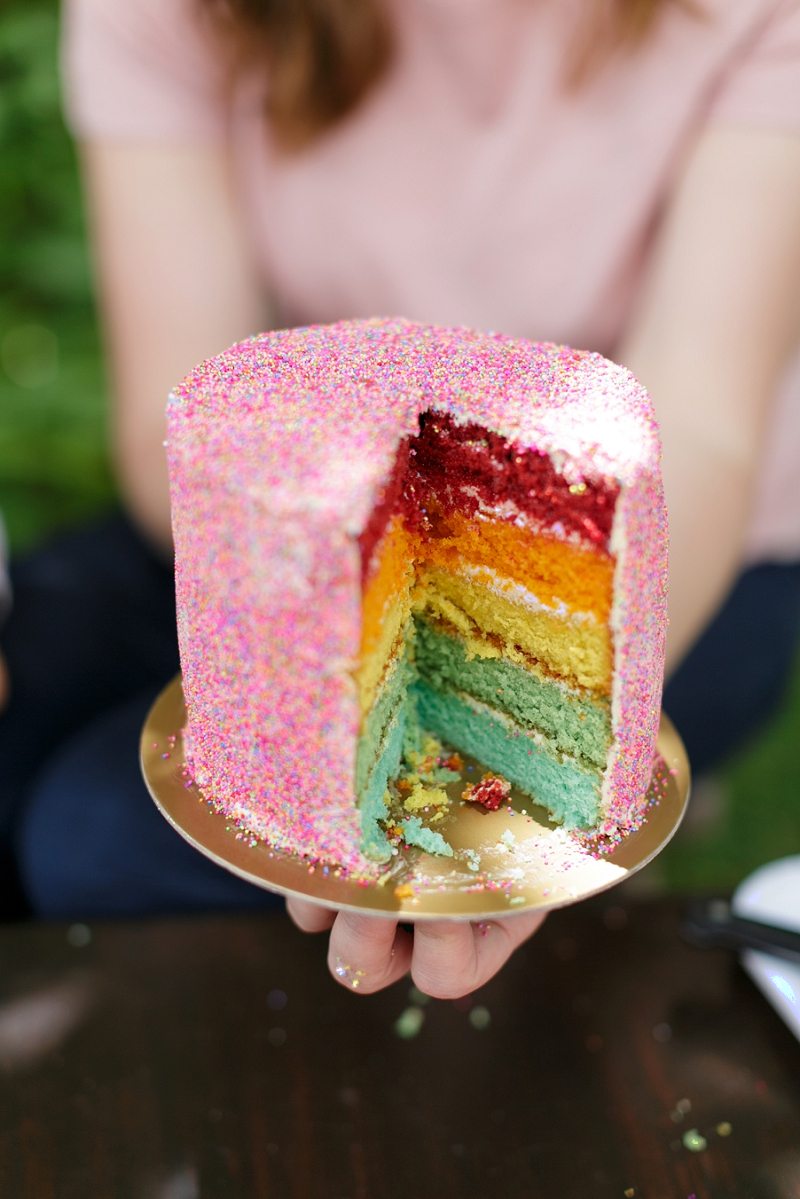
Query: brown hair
324, 56
611, 27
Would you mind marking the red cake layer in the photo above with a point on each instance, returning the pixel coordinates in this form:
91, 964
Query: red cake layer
450, 467
462, 465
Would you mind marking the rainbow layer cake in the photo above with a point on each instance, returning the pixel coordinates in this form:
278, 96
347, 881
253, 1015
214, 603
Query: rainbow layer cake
396, 545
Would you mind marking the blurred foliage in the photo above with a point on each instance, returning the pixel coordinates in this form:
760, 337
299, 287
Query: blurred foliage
53, 461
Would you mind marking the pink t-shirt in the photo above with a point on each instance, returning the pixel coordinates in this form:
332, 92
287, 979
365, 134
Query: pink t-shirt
470, 187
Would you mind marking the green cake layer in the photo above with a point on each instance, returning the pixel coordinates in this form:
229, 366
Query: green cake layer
568, 789
548, 740
578, 726
380, 748
390, 699
371, 801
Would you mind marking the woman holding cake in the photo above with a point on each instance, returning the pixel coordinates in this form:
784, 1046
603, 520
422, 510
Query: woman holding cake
619, 176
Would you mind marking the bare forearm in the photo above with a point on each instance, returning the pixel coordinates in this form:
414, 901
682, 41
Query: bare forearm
711, 419
708, 500
714, 332
176, 286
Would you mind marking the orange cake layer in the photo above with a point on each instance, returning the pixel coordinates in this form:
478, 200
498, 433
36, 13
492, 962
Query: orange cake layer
386, 611
555, 571
391, 576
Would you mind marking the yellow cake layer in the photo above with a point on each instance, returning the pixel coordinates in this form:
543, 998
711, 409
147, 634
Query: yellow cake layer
386, 610
555, 571
579, 650
573, 643
373, 666
392, 574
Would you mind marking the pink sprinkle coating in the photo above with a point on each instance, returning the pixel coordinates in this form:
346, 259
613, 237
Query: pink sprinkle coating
278, 450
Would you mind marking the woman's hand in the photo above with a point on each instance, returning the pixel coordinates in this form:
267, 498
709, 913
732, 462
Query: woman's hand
446, 958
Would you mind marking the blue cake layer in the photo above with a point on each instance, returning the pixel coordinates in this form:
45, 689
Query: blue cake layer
371, 801
569, 791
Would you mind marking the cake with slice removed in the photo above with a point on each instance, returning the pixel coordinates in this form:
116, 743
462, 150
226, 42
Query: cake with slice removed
396, 544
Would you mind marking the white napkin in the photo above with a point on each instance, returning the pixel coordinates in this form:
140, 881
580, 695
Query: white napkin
771, 895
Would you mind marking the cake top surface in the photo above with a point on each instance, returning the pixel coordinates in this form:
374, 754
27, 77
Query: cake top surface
331, 402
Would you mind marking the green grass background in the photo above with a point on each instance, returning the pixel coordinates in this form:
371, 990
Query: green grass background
54, 468
53, 461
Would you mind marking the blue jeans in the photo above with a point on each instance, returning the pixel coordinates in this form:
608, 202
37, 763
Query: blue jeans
92, 641
735, 675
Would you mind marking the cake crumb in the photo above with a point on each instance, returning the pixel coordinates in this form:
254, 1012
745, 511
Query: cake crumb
491, 792
425, 797
473, 860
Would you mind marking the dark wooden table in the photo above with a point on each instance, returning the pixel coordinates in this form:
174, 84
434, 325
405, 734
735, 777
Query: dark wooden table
156, 1062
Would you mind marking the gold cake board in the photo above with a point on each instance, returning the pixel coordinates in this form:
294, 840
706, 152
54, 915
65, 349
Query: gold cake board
525, 863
